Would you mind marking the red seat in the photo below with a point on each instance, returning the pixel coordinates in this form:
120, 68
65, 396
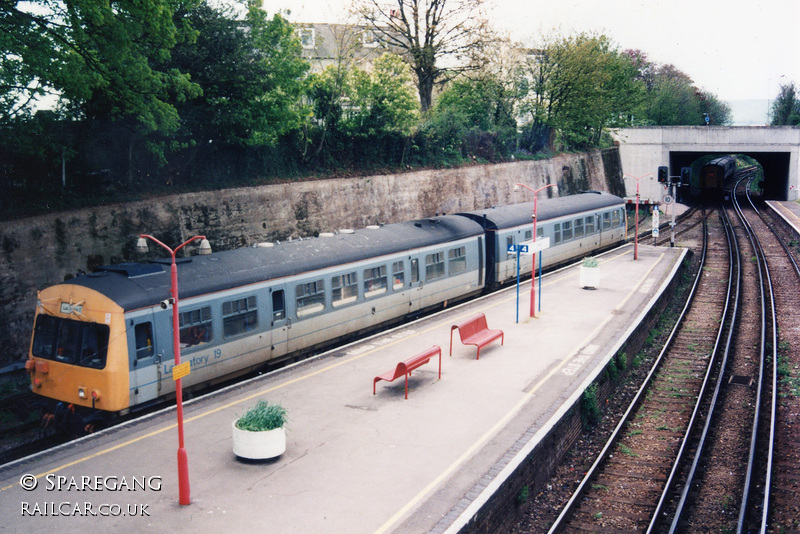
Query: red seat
404, 368
476, 332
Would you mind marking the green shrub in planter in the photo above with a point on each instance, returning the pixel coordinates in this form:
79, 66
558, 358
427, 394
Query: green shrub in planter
262, 416
590, 262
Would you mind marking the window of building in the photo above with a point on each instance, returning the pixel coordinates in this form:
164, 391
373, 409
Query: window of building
369, 39
398, 275
310, 298
195, 327
434, 266
306, 36
375, 281
344, 289
239, 316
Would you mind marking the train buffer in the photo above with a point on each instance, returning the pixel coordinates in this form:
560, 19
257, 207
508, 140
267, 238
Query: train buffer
476, 332
404, 368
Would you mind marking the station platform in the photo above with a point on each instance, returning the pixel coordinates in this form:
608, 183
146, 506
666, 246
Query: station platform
788, 211
356, 462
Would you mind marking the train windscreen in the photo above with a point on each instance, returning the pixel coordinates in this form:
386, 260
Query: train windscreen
68, 341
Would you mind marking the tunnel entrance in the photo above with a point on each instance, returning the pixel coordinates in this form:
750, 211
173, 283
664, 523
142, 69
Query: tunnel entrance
775, 165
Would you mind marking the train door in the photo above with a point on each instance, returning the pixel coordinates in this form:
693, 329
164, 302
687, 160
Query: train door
281, 323
414, 284
145, 359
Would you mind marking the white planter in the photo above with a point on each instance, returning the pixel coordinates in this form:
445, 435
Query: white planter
590, 277
258, 445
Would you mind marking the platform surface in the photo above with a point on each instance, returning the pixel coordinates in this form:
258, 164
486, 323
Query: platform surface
355, 462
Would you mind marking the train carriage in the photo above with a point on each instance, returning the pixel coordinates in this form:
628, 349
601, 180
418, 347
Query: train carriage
103, 342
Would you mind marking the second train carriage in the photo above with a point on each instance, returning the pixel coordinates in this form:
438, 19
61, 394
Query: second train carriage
104, 340
577, 225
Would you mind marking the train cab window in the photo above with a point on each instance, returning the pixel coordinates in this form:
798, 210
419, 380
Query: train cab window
414, 271
557, 233
310, 298
74, 342
239, 316
195, 327
398, 275
589, 223
457, 260
615, 219
434, 266
375, 281
578, 228
344, 289
566, 230
606, 221
143, 333
278, 305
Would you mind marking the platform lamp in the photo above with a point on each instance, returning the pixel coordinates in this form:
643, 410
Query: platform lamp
636, 226
533, 259
183, 457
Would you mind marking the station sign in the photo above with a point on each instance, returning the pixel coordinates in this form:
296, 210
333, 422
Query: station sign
179, 371
532, 247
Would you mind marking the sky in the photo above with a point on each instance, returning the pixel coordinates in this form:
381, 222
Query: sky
735, 49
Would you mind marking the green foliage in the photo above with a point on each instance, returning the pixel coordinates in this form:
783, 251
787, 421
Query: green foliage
786, 107
590, 407
590, 262
262, 416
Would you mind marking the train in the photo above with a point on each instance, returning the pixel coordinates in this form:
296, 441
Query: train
102, 343
715, 174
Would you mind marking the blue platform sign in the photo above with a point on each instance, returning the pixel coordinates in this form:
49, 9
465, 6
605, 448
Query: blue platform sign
522, 249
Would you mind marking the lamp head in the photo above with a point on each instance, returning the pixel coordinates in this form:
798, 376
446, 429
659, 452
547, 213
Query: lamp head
205, 247
141, 245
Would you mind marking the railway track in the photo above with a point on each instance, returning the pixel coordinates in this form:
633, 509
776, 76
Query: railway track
714, 470
623, 489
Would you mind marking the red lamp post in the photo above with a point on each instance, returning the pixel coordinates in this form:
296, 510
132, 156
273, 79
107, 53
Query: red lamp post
183, 457
636, 225
533, 259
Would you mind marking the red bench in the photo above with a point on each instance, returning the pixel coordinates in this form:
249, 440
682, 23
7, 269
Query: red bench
476, 332
405, 367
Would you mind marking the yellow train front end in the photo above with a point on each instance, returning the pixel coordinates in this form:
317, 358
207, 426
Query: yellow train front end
79, 351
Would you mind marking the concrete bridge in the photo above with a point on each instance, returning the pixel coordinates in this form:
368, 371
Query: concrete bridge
643, 150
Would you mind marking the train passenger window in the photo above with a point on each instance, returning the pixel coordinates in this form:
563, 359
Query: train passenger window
414, 271
434, 266
578, 228
239, 316
529, 234
589, 225
195, 327
310, 298
457, 260
143, 333
509, 242
375, 281
75, 342
615, 218
566, 230
557, 233
344, 289
398, 275
278, 305
606, 221
539, 232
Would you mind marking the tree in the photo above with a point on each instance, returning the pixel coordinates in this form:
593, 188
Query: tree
437, 38
785, 109
576, 86
102, 59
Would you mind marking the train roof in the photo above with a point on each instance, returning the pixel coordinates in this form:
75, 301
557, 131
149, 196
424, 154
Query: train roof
551, 208
137, 285
722, 161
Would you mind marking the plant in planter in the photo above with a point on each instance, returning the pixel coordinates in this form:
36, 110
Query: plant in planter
259, 433
590, 273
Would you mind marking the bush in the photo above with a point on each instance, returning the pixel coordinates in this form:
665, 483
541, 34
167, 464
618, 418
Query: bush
262, 417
